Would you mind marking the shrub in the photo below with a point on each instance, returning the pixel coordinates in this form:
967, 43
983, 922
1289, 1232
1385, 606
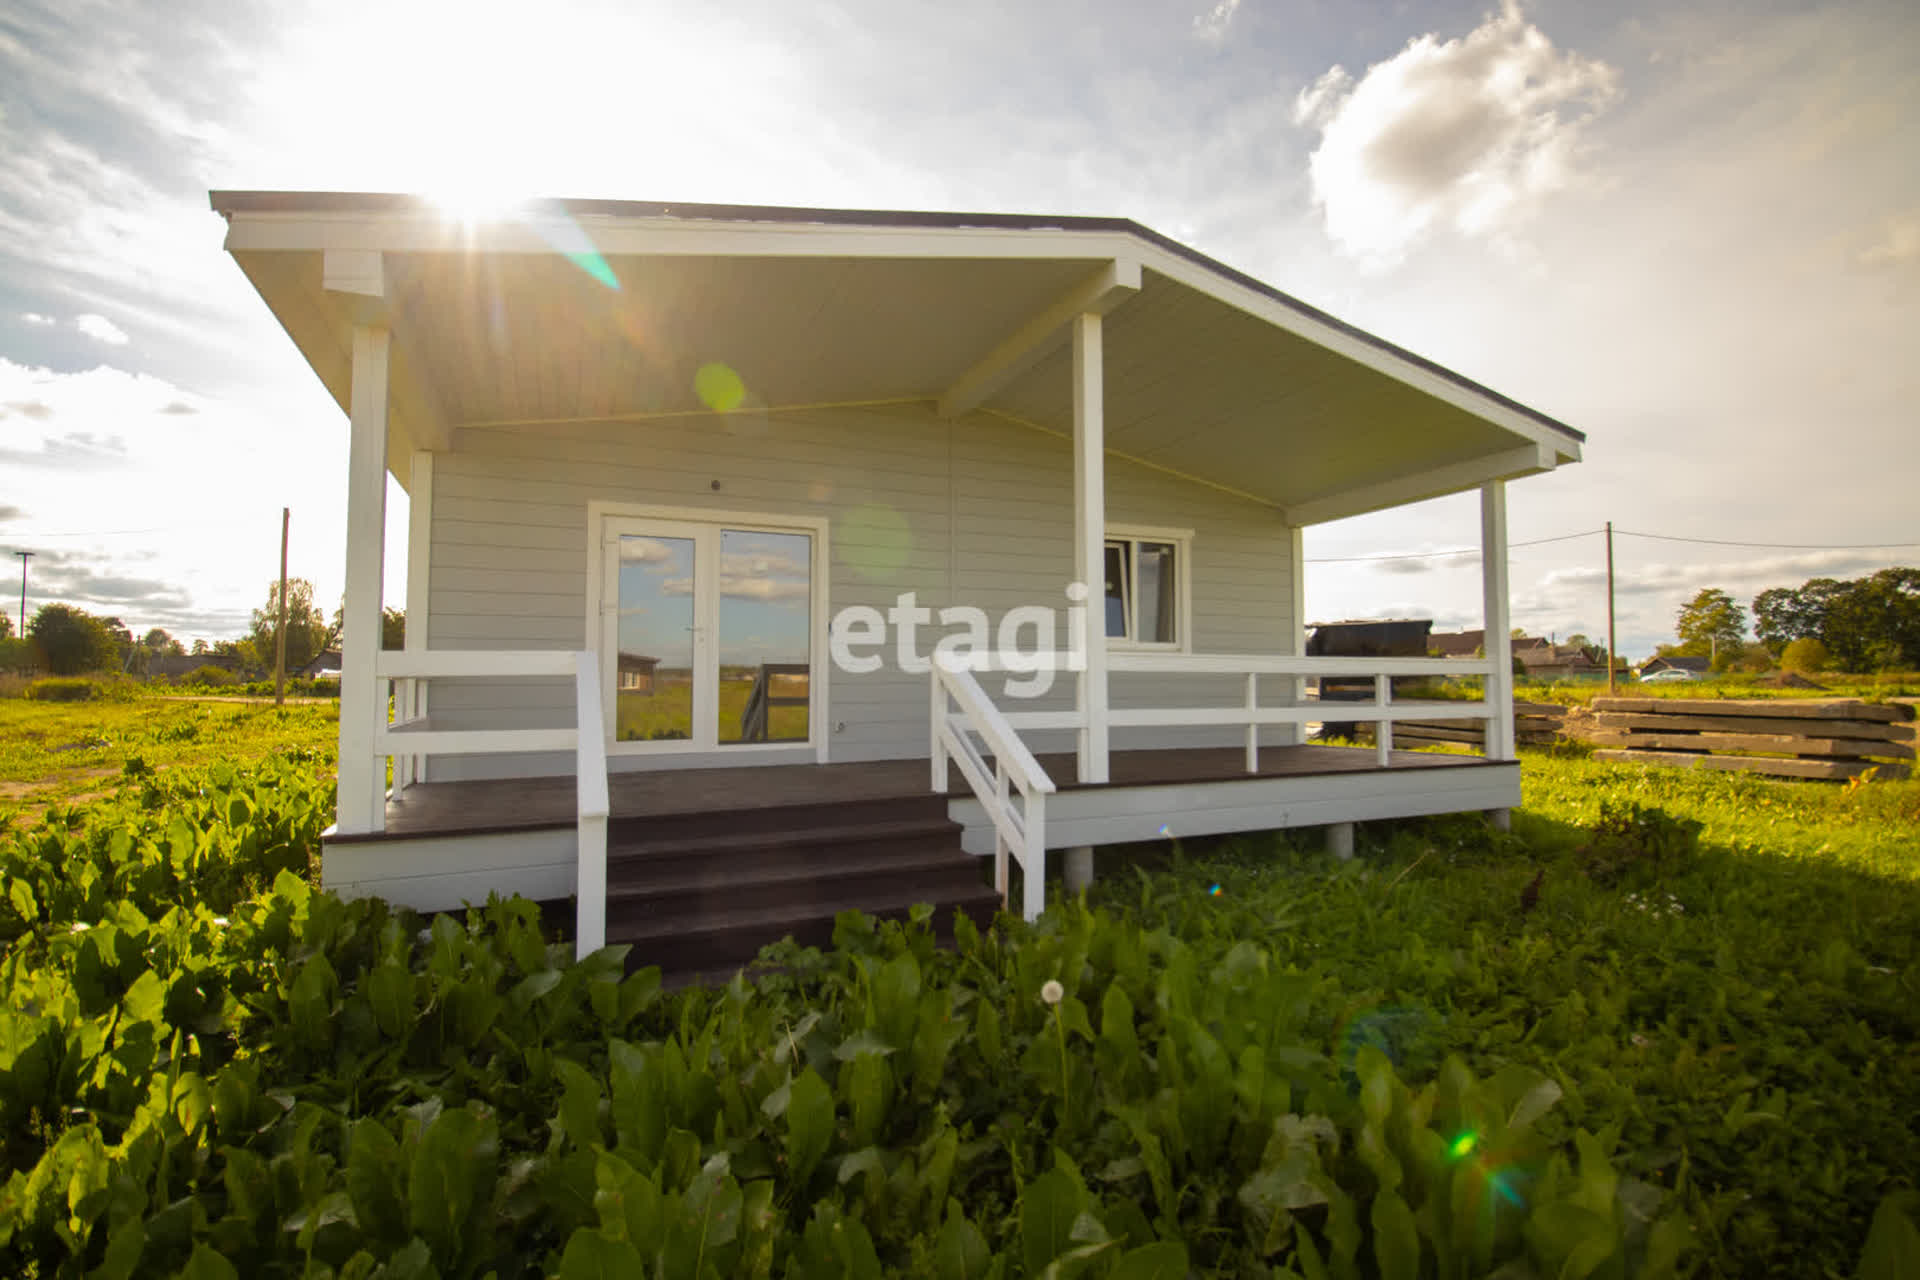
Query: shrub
208, 676
64, 689
1628, 837
1806, 655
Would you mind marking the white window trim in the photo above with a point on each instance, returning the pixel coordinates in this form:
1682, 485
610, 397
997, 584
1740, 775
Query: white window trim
818, 724
1182, 540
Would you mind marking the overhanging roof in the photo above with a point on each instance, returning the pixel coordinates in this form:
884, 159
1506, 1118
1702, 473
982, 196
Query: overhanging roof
588, 309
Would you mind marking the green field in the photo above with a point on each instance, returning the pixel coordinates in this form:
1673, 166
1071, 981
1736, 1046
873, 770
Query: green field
60, 752
1666, 1026
667, 711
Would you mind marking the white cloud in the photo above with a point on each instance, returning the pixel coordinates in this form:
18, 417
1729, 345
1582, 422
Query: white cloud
1212, 25
34, 317
1469, 134
105, 330
1898, 244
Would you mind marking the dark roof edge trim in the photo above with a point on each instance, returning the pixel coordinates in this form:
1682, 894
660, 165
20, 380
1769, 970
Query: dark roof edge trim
228, 203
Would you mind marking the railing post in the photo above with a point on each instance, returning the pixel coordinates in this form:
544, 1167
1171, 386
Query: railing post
999, 835
1034, 864
1253, 726
936, 720
1383, 727
593, 809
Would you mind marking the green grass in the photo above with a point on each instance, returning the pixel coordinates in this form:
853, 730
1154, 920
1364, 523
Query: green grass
58, 752
1255, 1057
668, 711
1743, 1018
1869, 688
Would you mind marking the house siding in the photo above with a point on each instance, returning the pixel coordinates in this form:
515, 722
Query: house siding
973, 512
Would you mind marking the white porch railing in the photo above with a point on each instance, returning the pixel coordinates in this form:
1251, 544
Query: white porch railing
1294, 706
1021, 829
411, 737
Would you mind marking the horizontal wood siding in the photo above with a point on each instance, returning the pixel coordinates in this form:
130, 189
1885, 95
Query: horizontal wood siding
975, 512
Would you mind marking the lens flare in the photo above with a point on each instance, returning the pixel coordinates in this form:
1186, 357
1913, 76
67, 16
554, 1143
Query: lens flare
1463, 1144
1213, 890
719, 387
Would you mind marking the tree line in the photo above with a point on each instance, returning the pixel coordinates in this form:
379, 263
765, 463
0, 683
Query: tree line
65, 640
1859, 625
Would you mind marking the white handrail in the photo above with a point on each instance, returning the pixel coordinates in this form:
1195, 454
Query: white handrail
594, 808
1382, 710
1022, 830
411, 736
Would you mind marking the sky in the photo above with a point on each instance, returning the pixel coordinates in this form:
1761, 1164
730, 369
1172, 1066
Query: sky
1691, 232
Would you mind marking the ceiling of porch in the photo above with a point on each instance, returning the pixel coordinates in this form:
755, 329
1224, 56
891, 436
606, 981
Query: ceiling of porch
1199, 381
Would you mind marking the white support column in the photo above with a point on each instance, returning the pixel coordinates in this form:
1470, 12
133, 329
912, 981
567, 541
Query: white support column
1079, 868
413, 694
1296, 629
1090, 537
1499, 640
363, 700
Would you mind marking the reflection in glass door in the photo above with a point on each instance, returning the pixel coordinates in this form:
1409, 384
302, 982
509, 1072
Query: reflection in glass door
764, 634
657, 692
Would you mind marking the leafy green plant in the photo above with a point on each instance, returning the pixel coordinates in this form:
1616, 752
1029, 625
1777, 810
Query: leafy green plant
1634, 840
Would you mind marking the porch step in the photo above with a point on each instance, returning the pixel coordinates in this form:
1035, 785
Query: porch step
716, 942
721, 859
703, 893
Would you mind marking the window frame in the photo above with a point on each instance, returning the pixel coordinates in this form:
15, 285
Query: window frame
1129, 537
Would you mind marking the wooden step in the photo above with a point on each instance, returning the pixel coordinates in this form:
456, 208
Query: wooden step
717, 940
632, 860
704, 892
663, 827
683, 890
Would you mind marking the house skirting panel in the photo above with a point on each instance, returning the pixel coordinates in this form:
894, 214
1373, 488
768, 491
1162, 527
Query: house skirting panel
1116, 815
442, 873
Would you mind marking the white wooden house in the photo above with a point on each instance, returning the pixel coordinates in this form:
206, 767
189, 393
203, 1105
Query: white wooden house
787, 452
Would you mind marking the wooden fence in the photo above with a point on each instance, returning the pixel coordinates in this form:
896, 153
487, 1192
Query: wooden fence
1784, 738
1535, 724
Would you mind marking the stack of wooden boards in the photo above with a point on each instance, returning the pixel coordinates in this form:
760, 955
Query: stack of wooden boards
1788, 738
1535, 724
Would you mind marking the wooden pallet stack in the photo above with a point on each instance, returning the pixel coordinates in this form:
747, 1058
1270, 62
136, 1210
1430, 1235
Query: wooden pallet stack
1784, 738
1535, 724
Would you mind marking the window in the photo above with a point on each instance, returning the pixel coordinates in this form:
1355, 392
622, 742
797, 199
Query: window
1146, 589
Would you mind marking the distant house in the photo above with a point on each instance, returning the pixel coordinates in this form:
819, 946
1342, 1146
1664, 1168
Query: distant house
1559, 661
1470, 644
324, 665
172, 666
1457, 644
635, 673
1698, 665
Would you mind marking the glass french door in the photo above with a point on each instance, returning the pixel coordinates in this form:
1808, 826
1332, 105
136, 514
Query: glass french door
708, 630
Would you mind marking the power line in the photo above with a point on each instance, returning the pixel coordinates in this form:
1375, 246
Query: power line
1463, 551
1625, 533
1771, 546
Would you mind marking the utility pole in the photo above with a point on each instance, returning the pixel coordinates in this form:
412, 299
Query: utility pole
280, 641
1610, 641
24, 557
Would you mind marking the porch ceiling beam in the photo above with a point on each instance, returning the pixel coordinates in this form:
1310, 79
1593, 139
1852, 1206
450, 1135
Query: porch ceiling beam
1529, 459
1033, 341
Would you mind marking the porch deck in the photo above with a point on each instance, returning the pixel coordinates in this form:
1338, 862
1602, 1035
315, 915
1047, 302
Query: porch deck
438, 809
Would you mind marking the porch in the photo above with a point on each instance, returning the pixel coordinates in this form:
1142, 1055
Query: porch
704, 866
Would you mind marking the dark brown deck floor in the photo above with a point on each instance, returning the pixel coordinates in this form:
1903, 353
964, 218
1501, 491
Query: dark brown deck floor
520, 804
